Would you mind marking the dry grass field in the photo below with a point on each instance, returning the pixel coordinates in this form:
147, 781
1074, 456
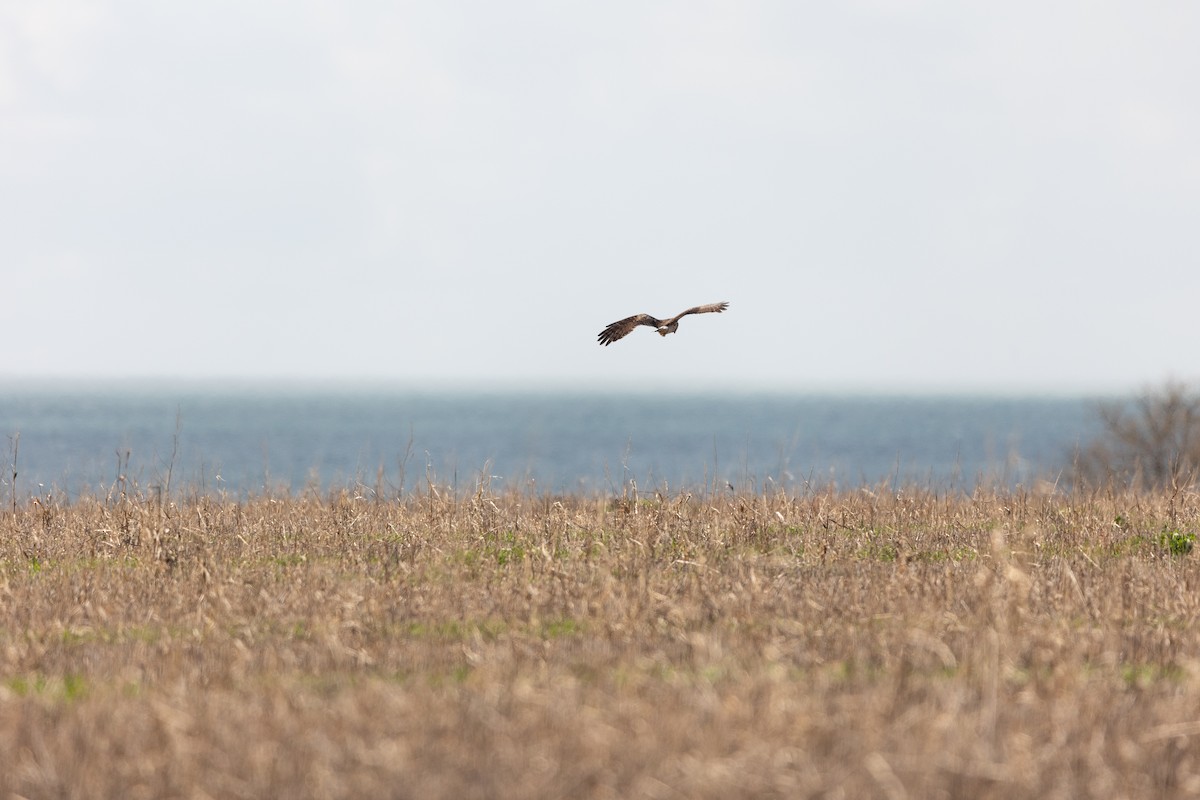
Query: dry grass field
825, 644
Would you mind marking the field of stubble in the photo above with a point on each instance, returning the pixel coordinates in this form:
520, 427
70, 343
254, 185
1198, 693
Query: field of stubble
822, 644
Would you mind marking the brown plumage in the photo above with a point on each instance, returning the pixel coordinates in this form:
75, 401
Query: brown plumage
621, 328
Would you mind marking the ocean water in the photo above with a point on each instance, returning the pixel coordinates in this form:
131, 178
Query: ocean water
242, 441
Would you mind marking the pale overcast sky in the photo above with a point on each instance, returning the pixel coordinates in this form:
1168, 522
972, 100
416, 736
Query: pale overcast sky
892, 195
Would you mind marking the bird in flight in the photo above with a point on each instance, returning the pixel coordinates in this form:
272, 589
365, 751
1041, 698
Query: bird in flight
621, 328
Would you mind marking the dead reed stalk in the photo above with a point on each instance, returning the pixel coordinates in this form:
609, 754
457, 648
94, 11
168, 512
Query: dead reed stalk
853, 643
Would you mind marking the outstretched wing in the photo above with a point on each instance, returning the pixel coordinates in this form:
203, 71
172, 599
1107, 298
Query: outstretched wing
621, 328
708, 309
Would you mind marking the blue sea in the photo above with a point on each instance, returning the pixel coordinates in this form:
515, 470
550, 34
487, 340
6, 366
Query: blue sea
241, 441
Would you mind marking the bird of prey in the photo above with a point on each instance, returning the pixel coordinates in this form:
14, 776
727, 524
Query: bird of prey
621, 328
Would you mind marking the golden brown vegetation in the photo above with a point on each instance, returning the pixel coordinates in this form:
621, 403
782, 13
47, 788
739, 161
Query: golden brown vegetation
832, 644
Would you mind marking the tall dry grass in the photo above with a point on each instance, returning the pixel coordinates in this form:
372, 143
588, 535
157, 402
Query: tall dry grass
829, 644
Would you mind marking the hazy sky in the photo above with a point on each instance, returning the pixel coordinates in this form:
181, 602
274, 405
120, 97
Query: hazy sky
892, 195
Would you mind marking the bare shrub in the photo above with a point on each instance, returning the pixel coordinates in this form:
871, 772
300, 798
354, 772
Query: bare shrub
1152, 441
